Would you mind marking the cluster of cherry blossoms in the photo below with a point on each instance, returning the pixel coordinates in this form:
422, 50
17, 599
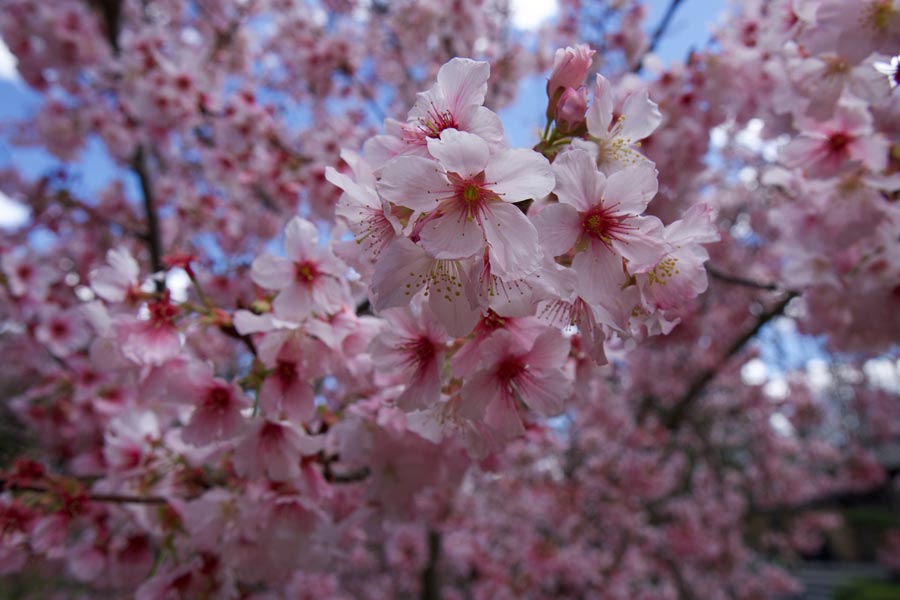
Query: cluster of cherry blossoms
463, 241
467, 370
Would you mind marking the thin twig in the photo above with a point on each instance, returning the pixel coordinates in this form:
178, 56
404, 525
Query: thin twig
113, 498
658, 32
737, 280
431, 588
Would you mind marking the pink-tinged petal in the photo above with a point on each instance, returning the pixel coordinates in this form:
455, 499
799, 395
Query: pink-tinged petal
600, 115
109, 284
512, 242
484, 123
578, 182
499, 345
294, 400
544, 391
558, 226
872, 151
112, 282
804, 150
359, 196
460, 152
600, 273
476, 394
641, 116
519, 174
272, 272
423, 390
400, 273
503, 417
464, 83
414, 182
328, 294
293, 303
455, 312
550, 350
452, 235
298, 402
381, 149
631, 189
301, 239
644, 245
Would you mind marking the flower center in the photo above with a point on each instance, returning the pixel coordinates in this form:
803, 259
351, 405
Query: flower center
878, 15
436, 122
509, 370
218, 398
838, 142
600, 224
470, 194
286, 371
305, 272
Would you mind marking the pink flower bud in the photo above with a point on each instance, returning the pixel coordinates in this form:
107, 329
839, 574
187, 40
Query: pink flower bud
570, 110
570, 68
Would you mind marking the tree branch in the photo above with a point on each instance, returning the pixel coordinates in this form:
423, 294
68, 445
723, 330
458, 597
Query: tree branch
113, 498
152, 236
658, 32
699, 383
736, 280
431, 588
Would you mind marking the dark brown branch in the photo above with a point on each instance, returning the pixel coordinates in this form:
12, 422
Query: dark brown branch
111, 14
431, 585
658, 32
699, 383
113, 498
152, 236
736, 280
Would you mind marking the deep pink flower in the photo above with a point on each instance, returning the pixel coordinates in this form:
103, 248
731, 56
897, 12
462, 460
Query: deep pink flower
273, 449
510, 373
412, 347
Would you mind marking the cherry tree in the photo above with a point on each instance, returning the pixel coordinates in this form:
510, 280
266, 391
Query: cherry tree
323, 332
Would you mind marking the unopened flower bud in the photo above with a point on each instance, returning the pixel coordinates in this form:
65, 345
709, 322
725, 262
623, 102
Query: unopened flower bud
570, 68
570, 110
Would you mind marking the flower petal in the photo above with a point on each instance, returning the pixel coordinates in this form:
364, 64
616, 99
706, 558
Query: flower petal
578, 182
464, 83
460, 152
272, 272
414, 182
301, 239
512, 242
600, 115
559, 226
631, 189
519, 174
640, 116
452, 235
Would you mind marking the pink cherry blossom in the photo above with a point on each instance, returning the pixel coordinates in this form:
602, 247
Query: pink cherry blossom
511, 373
273, 449
468, 194
612, 139
826, 148
412, 347
600, 218
308, 281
